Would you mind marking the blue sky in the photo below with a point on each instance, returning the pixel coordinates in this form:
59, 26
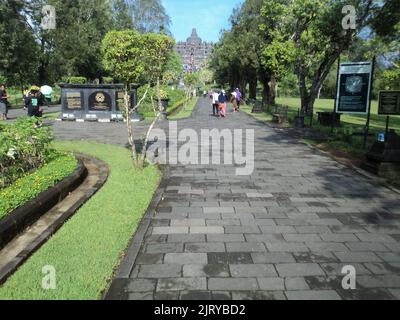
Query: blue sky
208, 16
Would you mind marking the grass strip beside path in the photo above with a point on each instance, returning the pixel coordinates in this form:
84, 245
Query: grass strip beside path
187, 111
87, 249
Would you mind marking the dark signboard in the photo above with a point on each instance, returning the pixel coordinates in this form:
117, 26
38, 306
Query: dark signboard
354, 87
73, 100
389, 103
100, 101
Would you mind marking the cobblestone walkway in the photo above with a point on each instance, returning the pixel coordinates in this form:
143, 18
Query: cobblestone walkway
284, 232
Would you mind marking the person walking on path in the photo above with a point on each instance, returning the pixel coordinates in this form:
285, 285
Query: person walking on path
222, 104
33, 102
234, 101
215, 103
3, 102
238, 98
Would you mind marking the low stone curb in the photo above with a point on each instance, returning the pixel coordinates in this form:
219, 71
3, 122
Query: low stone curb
9, 269
22, 217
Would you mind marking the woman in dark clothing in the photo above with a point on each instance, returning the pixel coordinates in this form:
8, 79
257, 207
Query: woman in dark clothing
3, 102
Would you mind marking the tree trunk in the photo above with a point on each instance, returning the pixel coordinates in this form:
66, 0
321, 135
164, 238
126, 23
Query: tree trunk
129, 128
253, 89
272, 90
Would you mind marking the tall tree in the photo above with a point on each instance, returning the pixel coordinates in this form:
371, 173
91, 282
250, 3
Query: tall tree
122, 15
150, 16
19, 58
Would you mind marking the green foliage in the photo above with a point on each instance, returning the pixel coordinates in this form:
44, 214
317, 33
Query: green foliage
391, 79
75, 80
108, 80
149, 16
174, 96
31, 185
123, 55
22, 149
136, 58
173, 69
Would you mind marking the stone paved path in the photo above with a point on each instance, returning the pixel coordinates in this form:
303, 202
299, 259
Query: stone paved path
284, 232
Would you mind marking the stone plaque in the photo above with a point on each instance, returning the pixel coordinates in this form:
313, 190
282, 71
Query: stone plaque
100, 101
389, 103
73, 100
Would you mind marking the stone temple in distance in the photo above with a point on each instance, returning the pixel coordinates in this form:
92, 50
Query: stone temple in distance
194, 52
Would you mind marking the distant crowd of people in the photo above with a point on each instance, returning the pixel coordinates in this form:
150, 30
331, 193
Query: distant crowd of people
220, 99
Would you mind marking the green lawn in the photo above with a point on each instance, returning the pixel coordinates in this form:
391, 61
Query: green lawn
326, 105
337, 139
185, 112
88, 248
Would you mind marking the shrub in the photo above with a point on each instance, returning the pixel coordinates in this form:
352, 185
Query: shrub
75, 80
108, 80
22, 149
30, 186
174, 96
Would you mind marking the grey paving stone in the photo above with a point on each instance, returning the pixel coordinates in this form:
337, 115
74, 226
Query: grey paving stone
274, 257
242, 229
326, 246
315, 257
185, 258
207, 230
205, 247
277, 229
233, 284
159, 271
375, 237
221, 295
296, 283
267, 238
258, 295
337, 268
334, 237
367, 246
286, 247
209, 270
196, 295
140, 296
149, 258
225, 238
164, 248
357, 257
245, 247
166, 296
313, 229
230, 258
379, 281
223, 222
182, 284
219, 209
290, 237
299, 269
271, 284
313, 295
383, 268
252, 270
184, 238
188, 222
170, 230
389, 256
141, 285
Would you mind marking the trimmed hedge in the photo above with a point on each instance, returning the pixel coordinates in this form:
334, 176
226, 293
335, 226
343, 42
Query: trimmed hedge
30, 186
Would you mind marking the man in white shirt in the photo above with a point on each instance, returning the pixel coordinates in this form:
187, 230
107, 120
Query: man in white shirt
215, 103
